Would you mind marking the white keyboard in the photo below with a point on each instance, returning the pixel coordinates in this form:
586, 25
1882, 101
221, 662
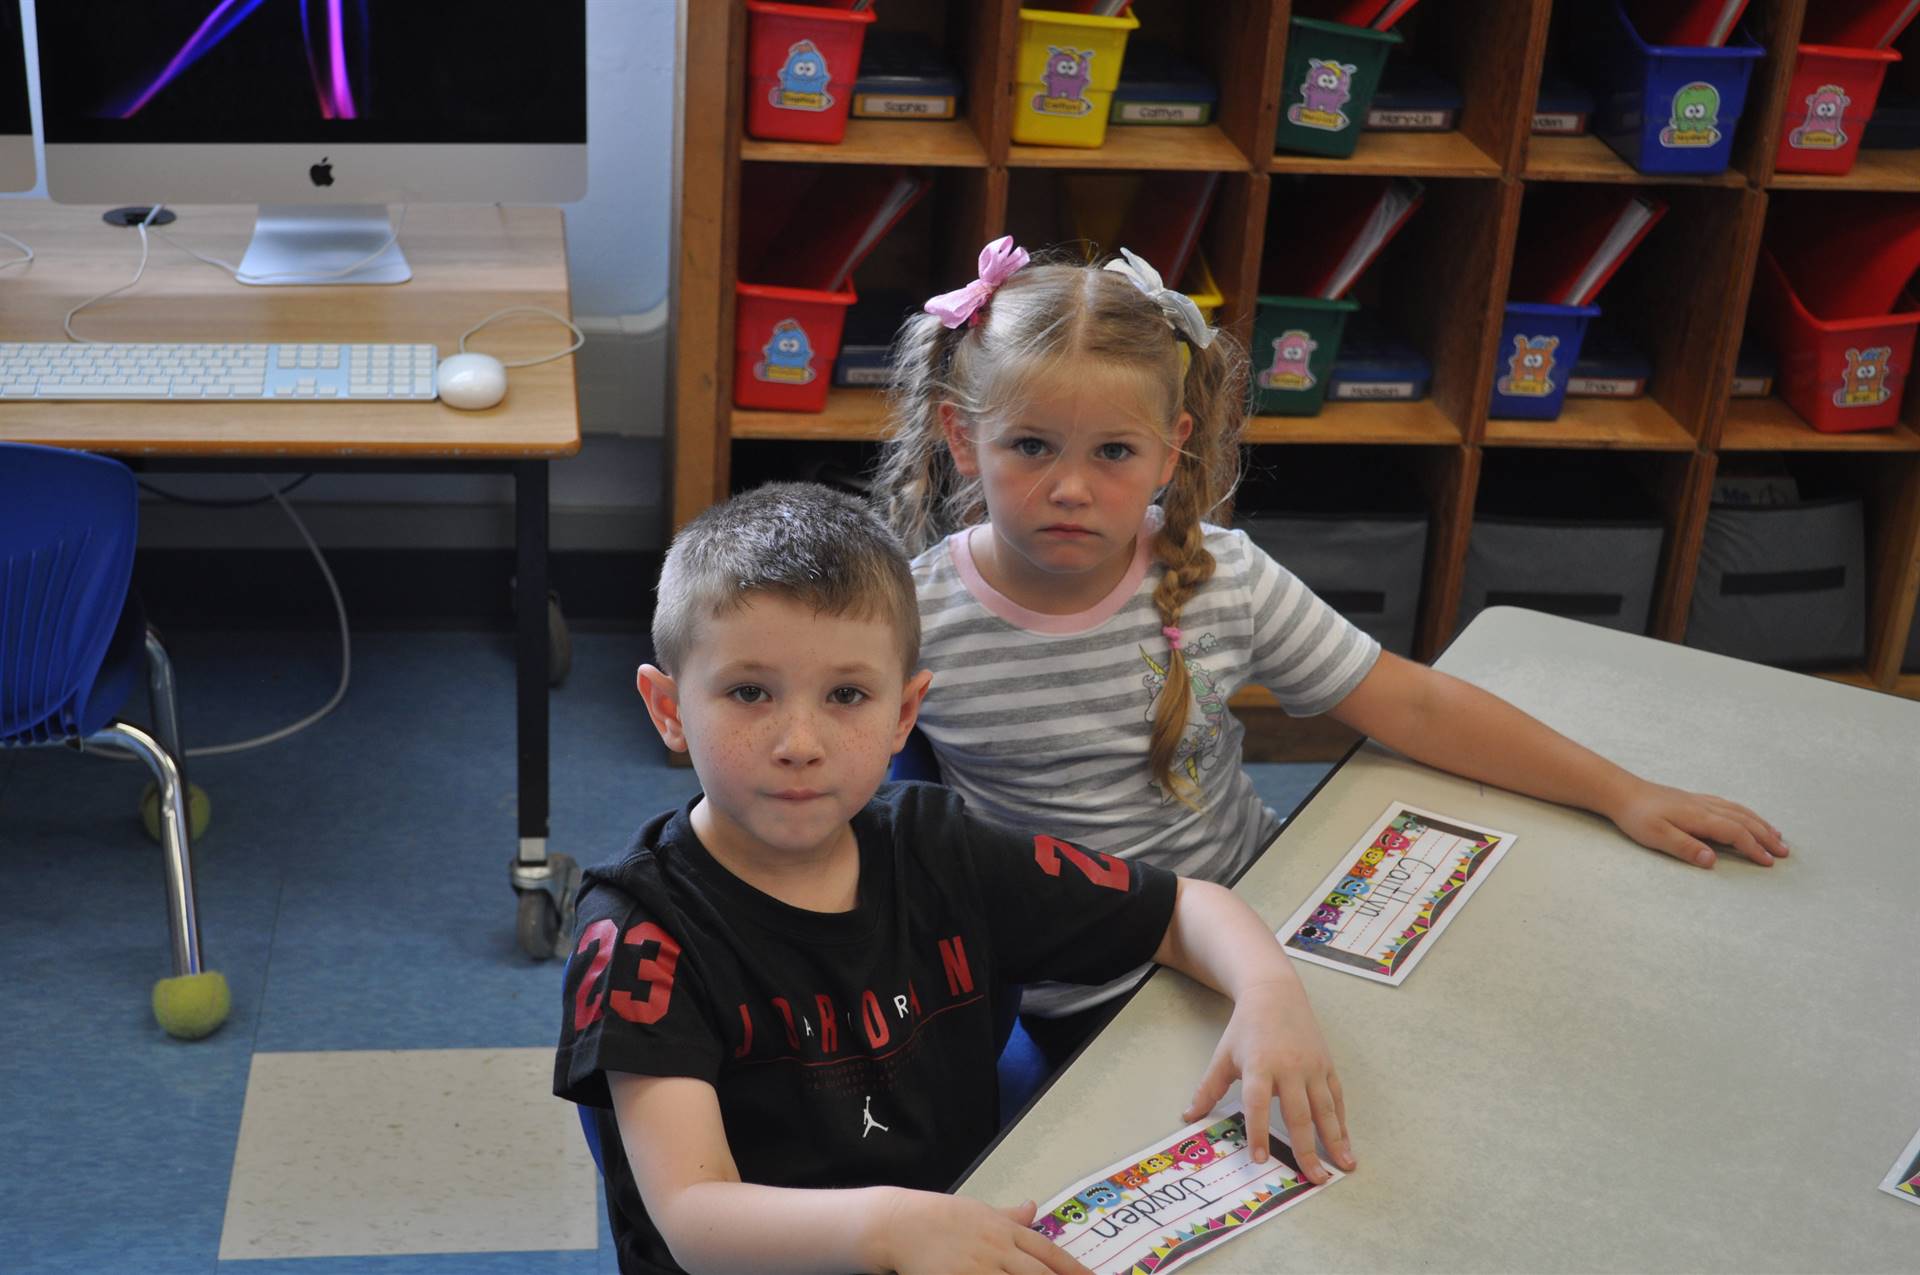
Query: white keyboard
294, 373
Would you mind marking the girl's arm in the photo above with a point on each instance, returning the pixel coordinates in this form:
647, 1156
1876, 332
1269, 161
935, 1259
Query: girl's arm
1455, 726
674, 1139
1272, 1044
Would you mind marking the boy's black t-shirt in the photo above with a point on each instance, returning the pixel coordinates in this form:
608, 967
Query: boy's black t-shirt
847, 1049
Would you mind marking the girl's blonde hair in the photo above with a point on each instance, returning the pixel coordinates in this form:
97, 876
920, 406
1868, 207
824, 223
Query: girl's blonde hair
1048, 318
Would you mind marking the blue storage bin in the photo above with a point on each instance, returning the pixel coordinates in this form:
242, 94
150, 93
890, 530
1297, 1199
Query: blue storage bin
1563, 107
1413, 99
1672, 108
1610, 366
1158, 86
1375, 364
905, 76
1539, 346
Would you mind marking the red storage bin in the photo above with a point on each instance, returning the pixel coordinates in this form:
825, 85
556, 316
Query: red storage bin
1848, 256
802, 61
784, 343
1838, 374
1828, 101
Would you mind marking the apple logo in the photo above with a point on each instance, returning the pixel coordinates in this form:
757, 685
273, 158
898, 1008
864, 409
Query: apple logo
321, 173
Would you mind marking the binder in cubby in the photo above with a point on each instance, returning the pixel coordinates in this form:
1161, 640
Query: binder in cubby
1158, 216
802, 61
1158, 86
1330, 76
1669, 108
904, 75
1563, 107
1066, 68
1376, 364
1611, 365
1411, 98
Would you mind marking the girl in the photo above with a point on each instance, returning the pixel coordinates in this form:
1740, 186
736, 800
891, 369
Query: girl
1060, 434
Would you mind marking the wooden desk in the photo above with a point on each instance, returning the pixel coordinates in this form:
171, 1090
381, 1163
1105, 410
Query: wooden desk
468, 262
1610, 1061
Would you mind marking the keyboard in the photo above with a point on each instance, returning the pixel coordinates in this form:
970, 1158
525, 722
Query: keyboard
293, 373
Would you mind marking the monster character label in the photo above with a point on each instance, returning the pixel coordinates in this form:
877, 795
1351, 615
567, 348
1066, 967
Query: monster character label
1696, 118
1865, 382
787, 357
1289, 370
1063, 89
802, 80
1826, 115
1322, 95
1530, 367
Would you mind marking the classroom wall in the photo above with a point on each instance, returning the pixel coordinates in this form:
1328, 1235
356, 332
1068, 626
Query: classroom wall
619, 253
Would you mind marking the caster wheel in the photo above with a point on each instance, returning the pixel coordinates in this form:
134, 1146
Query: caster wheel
199, 811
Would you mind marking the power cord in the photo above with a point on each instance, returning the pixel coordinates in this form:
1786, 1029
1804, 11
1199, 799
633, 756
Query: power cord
244, 277
199, 502
16, 261
141, 226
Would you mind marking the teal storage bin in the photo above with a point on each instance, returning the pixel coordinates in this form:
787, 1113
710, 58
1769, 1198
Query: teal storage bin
1331, 73
1295, 342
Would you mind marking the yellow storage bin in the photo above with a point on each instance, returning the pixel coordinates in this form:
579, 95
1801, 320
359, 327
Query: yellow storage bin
1063, 81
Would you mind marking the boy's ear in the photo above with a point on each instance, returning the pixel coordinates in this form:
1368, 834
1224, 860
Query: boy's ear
959, 442
910, 700
663, 706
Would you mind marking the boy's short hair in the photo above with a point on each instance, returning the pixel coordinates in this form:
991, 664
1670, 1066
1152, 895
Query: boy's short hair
799, 541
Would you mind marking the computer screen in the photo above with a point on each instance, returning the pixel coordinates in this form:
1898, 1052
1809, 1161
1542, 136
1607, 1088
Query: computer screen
314, 103
16, 115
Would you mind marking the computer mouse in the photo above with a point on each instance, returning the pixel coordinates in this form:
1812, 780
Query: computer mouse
471, 381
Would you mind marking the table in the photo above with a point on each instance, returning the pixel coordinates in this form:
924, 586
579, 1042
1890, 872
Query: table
1609, 1061
468, 262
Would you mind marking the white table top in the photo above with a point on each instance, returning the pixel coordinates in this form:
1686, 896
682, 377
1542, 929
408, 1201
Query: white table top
1610, 1060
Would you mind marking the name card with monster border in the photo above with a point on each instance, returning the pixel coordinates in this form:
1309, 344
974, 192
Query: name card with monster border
1380, 911
1185, 1195
1903, 1179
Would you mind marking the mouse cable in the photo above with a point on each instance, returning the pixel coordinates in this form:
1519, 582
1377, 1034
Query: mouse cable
16, 261
579, 337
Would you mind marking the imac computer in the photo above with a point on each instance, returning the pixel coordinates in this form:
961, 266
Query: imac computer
16, 115
325, 113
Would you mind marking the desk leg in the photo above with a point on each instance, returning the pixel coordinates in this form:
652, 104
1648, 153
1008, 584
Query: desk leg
545, 882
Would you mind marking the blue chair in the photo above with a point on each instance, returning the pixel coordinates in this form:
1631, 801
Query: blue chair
72, 643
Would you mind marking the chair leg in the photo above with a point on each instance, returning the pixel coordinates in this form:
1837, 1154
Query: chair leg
165, 702
183, 927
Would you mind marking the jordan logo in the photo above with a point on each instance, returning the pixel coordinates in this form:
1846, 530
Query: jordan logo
872, 1124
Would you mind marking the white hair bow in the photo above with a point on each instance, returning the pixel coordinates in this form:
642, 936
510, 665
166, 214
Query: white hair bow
1181, 314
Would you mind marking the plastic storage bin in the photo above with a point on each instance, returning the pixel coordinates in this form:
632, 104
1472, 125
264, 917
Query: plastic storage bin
1828, 101
1295, 342
1413, 99
1599, 571
904, 76
1783, 584
1672, 108
801, 64
1158, 86
1067, 65
1838, 374
1563, 107
1368, 567
785, 341
1539, 346
1330, 76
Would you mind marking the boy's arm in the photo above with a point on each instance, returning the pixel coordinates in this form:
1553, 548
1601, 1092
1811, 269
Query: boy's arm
1272, 1044
1455, 726
676, 1144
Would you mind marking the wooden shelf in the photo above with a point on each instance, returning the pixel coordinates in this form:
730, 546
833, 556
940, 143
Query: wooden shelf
1769, 425
1164, 146
1420, 422
935, 143
1588, 159
850, 416
1400, 155
1612, 424
1872, 170
1907, 686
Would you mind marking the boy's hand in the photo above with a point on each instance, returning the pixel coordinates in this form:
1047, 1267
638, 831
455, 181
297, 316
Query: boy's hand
1673, 820
932, 1234
1272, 1045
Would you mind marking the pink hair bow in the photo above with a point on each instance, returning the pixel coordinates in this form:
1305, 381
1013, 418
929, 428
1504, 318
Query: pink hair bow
998, 261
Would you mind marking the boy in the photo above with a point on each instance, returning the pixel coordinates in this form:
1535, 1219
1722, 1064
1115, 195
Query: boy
789, 983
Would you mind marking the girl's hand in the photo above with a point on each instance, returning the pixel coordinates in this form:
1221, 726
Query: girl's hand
931, 1234
1675, 821
1272, 1045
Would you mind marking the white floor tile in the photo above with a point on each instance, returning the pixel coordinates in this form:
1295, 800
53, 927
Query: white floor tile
362, 1153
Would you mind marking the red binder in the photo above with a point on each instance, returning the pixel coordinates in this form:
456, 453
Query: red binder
1873, 25
1574, 238
1322, 236
1355, 13
812, 229
1163, 223
1698, 22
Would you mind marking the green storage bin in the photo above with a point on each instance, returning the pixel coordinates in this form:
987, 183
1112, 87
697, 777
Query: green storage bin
1331, 73
1295, 341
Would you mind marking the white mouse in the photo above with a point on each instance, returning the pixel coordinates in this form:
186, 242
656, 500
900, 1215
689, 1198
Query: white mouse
471, 381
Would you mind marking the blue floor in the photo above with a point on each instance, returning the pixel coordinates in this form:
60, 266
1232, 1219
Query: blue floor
353, 890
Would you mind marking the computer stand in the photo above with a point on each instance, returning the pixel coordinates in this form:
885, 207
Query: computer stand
319, 243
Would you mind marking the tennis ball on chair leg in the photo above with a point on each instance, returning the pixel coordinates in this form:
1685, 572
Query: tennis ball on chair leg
199, 811
190, 1006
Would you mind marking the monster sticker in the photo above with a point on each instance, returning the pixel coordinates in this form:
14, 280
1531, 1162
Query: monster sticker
787, 357
1826, 114
1867, 380
1696, 118
1530, 367
1064, 83
1323, 94
1289, 370
802, 83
